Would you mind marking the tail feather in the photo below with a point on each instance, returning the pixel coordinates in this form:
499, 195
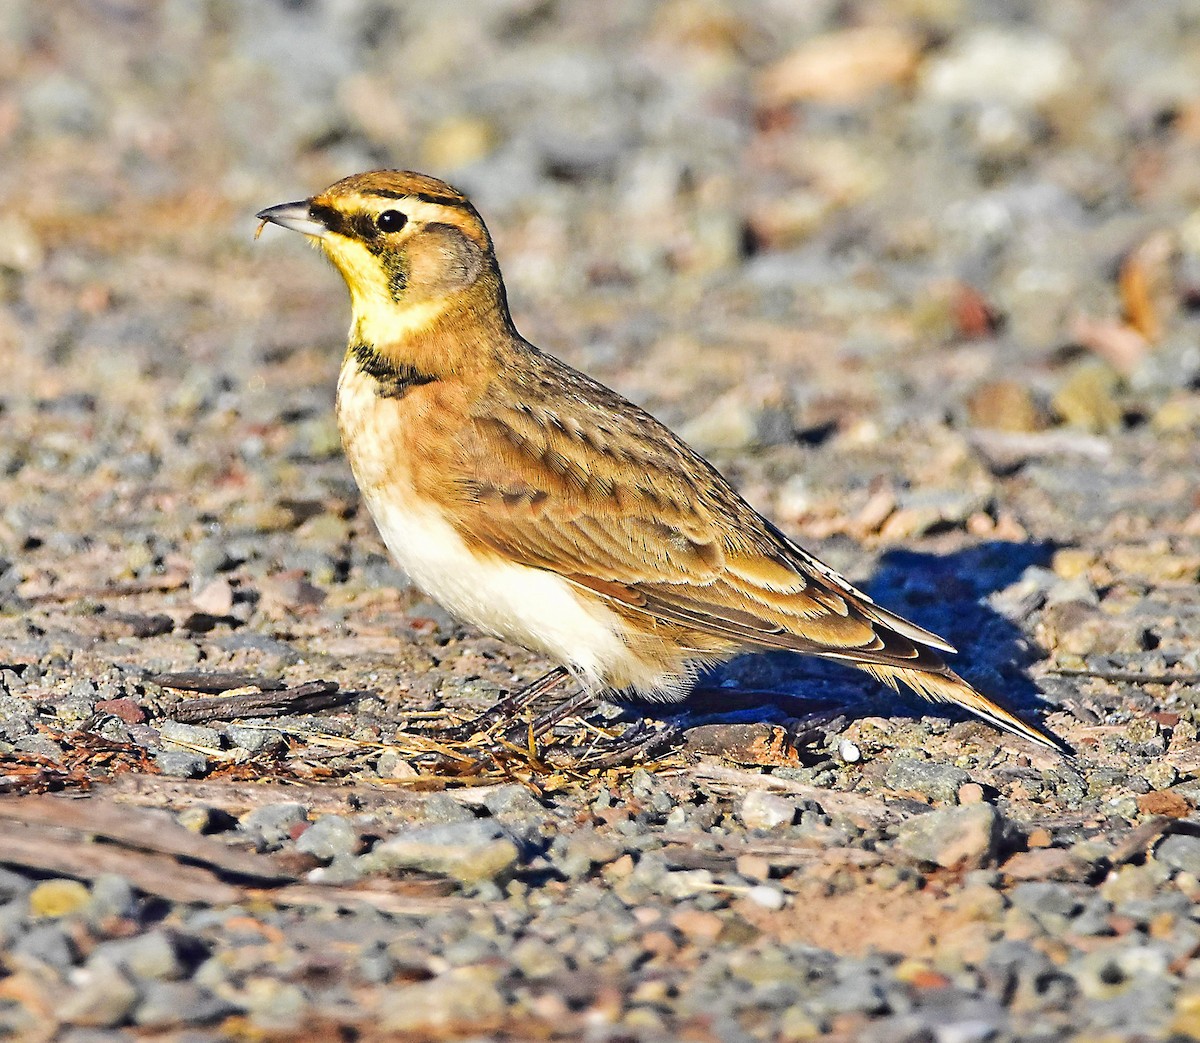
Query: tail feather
946, 686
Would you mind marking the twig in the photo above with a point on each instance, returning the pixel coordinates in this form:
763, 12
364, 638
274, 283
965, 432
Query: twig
147, 830
305, 698
214, 682
831, 800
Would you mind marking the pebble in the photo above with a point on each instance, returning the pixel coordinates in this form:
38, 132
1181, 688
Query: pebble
152, 955
938, 781
446, 1003
169, 1003
995, 64
329, 837
849, 752
273, 825
102, 996
469, 852
184, 764
58, 898
1180, 851
766, 896
965, 837
762, 809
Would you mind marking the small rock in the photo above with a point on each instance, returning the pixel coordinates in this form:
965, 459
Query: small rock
151, 955
60, 897
970, 793
167, 1003
762, 809
1180, 851
44, 945
254, 739
964, 836
938, 781
112, 896
455, 999
470, 852
575, 854
988, 65
1088, 399
766, 896
536, 960
273, 825
215, 599
1004, 405
103, 996
183, 764
124, 709
849, 752
441, 807
190, 734
517, 808
728, 425
329, 837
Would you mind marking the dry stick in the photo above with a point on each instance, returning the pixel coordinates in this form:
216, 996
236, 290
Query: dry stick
306, 698
150, 831
832, 800
42, 848
213, 682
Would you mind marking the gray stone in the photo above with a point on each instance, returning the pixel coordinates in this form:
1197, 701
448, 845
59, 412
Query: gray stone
469, 852
932, 779
513, 802
575, 854
762, 809
48, 944
103, 996
964, 837
192, 734
329, 837
536, 960
112, 895
457, 998
1180, 851
150, 955
273, 825
182, 764
166, 1003
254, 739
1052, 905
441, 807
649, 790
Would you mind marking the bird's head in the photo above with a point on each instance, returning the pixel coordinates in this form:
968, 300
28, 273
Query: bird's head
408, 245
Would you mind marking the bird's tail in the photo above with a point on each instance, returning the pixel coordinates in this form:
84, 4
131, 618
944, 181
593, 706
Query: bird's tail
945, 686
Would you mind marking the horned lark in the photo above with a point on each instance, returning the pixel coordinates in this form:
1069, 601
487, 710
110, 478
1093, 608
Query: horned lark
544, 508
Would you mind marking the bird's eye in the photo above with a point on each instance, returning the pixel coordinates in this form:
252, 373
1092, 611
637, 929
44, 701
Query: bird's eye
391, 221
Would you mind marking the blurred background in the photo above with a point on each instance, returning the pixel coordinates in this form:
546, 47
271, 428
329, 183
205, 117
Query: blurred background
887, 261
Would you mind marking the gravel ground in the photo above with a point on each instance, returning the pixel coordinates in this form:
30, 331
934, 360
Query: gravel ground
922, 276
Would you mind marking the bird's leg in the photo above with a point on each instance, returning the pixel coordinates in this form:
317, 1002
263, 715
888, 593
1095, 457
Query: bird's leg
520, 733
511, 705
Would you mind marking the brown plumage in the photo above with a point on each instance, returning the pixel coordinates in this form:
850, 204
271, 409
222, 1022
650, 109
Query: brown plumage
540, 505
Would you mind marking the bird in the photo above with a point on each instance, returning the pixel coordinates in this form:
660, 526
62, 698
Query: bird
540, 506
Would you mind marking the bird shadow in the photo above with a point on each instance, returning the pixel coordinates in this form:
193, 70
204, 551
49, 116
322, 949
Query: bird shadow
944, 593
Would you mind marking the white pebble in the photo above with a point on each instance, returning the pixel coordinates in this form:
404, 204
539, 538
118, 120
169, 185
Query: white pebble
767, 897
849, 752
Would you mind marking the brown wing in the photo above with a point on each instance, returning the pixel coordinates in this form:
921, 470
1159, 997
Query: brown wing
568, 476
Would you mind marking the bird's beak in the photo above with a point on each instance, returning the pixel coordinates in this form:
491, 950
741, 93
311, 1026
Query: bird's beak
296, 216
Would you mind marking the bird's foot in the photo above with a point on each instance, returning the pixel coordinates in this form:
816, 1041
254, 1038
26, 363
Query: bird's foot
505, 711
